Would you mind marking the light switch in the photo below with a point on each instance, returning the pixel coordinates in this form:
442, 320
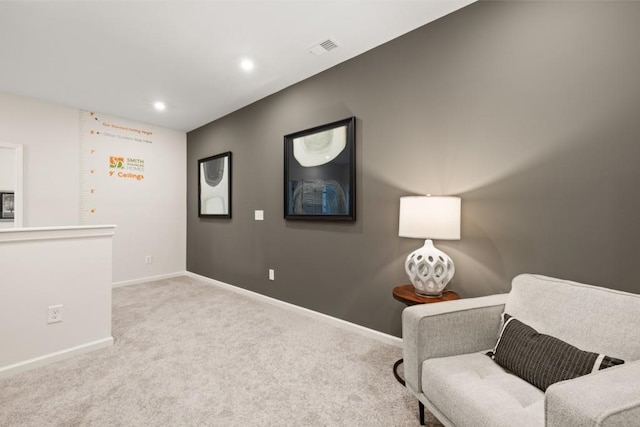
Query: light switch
259, 215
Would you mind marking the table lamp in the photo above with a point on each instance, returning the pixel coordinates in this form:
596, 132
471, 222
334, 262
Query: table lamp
429, 217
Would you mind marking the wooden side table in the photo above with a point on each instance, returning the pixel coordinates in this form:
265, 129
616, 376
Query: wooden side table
407, 295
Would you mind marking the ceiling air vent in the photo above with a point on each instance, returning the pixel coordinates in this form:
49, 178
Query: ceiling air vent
323, 47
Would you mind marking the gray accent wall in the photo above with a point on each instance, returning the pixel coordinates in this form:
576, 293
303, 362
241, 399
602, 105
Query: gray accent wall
529, 111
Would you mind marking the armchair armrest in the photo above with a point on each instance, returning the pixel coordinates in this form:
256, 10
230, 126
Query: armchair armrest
446, 329
613, 399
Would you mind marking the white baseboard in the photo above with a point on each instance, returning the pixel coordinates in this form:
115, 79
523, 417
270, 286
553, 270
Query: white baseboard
147, 279
25, 365
371, 333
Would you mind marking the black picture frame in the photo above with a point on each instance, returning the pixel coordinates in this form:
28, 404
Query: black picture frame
320, 172
7, 206
214, 186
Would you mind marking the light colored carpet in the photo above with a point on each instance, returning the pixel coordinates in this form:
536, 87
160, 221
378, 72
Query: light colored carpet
187, 353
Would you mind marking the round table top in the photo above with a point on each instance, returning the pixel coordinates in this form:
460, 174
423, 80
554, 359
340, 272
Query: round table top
407, 295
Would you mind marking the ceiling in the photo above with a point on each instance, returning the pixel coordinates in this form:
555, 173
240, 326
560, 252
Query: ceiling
119, 57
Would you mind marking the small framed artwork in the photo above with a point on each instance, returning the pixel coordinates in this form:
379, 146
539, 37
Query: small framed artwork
319, 172
214, 186
7, 206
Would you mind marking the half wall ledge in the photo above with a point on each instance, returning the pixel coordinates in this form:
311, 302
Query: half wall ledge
68, 268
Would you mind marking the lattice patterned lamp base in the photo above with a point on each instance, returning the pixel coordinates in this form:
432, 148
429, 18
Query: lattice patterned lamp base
429, 269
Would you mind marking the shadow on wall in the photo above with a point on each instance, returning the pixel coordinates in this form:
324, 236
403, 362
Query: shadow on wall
572, 215
569, 211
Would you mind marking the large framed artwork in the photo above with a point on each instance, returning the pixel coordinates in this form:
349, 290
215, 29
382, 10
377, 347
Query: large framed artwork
319, 172
214, 186
7, 206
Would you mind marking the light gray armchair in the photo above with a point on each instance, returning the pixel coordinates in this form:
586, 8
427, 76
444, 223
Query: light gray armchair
447, 369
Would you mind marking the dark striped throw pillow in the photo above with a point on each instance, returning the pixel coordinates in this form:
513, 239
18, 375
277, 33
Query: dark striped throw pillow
542, 359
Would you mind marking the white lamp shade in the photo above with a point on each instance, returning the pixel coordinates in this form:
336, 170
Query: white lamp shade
430, 217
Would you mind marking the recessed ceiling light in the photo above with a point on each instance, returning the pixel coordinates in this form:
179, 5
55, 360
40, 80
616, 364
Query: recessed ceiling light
159, 105
247, 65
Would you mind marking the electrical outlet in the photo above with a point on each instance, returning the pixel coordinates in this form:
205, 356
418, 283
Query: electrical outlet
272, 274
148, 259
54, 314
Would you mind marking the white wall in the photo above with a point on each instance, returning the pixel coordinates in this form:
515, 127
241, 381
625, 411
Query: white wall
133, 175
7, 169
150, 222
50, 135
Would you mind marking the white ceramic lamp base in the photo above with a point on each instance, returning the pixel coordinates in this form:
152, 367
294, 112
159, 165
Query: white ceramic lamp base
429, 269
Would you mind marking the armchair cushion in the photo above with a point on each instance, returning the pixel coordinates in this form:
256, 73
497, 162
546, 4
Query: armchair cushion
475, 391
541, 359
